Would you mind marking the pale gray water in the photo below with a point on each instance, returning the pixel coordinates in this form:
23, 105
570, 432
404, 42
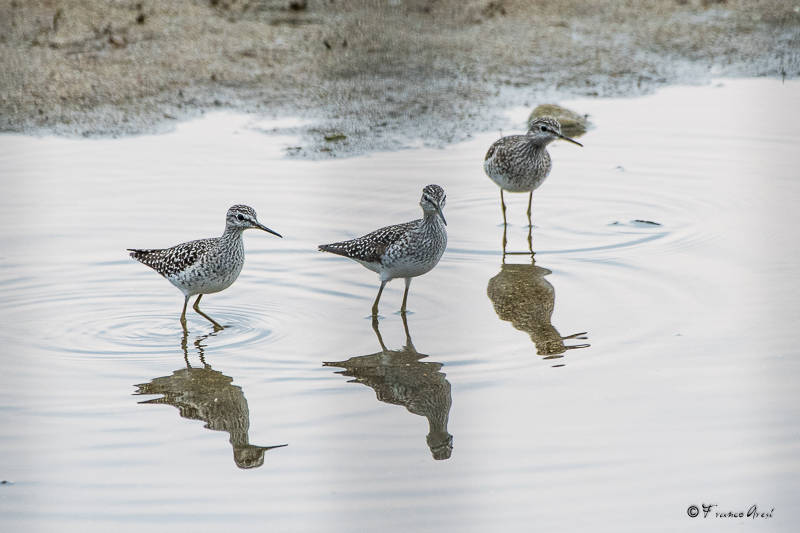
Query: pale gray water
687, 393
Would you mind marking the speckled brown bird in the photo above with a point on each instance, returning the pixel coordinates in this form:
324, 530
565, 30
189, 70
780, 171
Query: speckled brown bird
520, 163
204, 266
403, 250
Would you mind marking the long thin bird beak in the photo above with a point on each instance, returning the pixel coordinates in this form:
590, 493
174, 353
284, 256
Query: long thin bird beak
262, 226
272, 447
573, 141
439, 210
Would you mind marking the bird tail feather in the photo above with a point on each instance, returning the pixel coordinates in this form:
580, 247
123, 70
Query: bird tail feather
334, 248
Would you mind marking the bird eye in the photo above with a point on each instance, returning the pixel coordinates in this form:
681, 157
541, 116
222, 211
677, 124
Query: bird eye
240, 217
543, 128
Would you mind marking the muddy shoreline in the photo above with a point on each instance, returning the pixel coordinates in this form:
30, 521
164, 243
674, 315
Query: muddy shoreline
368, 74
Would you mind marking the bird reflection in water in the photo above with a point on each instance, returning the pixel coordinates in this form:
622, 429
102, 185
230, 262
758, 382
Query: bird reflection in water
400, 378
521, 295
202, 393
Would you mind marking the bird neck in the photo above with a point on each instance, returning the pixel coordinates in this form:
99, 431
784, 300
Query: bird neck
431, 219
232, 234
534, 144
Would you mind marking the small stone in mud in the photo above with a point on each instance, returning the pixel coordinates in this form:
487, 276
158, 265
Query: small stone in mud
572, 124
117, 40
333, 137
298, 5
140, 18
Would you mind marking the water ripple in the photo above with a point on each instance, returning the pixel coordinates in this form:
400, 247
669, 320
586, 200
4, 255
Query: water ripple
124, 334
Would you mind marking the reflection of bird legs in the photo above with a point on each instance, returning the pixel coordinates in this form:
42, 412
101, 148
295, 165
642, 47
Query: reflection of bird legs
530, 236
530, 244
378, 331
185, 339
581, 336
505, 240
409, 343
375, 328
197, 344
201, 354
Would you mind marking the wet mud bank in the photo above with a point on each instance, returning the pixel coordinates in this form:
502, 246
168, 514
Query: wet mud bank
367, 74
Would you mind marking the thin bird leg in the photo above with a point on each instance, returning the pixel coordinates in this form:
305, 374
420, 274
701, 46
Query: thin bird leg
503, 205
377, 299
405, 296
530, 199
183, 313
196, 307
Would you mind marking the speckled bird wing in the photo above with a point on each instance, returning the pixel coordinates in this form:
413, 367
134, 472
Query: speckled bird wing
371, 246
170, 261
500, 147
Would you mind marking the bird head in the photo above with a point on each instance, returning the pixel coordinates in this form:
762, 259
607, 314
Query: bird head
433, 200
546, 130
244, 217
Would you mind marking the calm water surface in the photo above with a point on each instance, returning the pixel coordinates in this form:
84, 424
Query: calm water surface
633, 370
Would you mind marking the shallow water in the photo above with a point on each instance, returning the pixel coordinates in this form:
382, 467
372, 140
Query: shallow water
677, 385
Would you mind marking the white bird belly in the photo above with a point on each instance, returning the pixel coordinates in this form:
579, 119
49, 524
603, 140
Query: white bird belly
409, 266
200, 279
514, 181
